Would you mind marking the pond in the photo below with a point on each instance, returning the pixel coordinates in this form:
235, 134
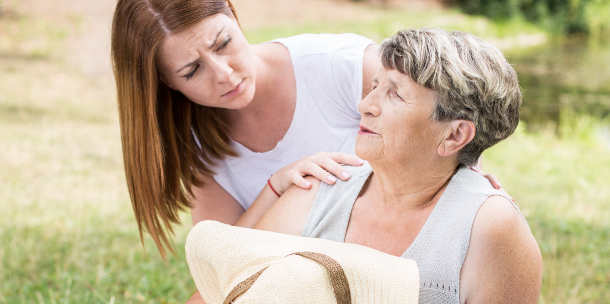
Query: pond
572, 74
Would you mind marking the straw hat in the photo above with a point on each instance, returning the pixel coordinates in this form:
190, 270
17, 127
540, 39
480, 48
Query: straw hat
239, 265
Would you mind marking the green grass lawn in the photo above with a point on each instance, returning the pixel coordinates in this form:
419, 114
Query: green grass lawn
68, 235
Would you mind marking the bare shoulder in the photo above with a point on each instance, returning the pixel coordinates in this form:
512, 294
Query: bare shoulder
275, 53
289, 214
503, 263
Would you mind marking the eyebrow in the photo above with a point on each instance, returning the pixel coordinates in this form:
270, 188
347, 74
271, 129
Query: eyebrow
216, 39
190, 64
194, 63
392, 82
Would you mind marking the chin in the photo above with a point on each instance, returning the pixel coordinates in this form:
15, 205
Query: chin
243, 100
365, 149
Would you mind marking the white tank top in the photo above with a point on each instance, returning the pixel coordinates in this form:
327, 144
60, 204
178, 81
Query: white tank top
328, 72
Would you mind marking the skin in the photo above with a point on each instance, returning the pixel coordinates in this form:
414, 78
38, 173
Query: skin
254, 86
216, 57
413, 159
212, 64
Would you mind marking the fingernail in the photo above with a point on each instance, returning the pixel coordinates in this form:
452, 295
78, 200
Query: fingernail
331, 178
307, 184
360, 160
499, 186
473, 168
344, 174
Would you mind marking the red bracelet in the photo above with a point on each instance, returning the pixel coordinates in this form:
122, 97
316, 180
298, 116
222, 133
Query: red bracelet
269, 182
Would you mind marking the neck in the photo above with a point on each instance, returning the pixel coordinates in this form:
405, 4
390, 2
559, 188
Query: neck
402, 188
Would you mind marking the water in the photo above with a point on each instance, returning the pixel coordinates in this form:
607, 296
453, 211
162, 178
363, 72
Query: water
571, 74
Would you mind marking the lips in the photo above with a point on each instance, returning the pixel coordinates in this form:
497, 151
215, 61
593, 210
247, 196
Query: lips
235, 91
365, 131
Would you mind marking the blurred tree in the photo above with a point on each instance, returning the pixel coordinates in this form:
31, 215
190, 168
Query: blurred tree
562, 16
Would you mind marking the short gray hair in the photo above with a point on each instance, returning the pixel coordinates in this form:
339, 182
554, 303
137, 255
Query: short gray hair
471, 79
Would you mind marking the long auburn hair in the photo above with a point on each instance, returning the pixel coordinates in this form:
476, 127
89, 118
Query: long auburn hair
167, 139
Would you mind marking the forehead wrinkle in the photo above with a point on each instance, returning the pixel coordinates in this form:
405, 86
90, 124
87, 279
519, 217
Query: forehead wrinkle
196, 34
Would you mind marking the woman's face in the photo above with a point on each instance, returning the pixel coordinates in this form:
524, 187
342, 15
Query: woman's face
396, 123
211, 63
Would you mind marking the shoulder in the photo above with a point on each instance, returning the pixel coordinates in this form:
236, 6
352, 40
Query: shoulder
504, 254
323, 43
289, 213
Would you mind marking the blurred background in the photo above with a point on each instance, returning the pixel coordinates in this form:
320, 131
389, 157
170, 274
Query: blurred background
67, 231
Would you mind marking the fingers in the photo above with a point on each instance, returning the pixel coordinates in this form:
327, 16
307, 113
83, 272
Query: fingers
325, 166
344, 158
492, 179
330, 166
331, 163
323, 169
301, 182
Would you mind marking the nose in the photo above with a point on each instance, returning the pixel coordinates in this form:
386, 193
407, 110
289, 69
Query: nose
370, 105
221, 70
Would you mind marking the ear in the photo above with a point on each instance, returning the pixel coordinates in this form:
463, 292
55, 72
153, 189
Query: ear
457, 135
166, 83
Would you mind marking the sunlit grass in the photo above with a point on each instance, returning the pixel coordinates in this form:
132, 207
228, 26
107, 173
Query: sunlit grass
560, 182
382, 23
67, 232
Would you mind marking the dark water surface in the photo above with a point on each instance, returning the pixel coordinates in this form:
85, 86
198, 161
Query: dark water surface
573, 74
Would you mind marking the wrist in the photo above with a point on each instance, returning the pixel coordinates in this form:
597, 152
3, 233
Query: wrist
274, 189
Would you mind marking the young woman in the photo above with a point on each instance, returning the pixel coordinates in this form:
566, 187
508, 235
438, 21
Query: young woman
206, 118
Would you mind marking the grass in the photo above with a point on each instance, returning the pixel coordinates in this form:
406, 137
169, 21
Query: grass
560, 183
67, 232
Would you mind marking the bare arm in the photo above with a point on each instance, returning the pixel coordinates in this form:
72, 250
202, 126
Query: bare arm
503, 263
212, 202
289, 214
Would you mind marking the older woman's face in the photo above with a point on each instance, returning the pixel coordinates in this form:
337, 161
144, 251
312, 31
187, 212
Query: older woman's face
396, 120
211, 63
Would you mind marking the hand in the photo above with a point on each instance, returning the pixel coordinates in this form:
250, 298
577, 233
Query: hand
491, 178
195, 299
322, 165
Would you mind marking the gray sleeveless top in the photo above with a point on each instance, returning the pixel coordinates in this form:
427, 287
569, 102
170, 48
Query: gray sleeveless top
440, 247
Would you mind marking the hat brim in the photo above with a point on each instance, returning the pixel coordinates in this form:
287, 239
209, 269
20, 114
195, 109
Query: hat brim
221, 256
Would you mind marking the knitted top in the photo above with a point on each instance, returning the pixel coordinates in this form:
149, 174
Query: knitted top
440, 247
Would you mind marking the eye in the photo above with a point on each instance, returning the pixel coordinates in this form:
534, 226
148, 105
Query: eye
397, 95
225, 43
190, 75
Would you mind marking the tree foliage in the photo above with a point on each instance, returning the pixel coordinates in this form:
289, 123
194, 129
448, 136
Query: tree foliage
562, 16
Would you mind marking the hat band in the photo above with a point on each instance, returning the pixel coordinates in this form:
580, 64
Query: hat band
338, 279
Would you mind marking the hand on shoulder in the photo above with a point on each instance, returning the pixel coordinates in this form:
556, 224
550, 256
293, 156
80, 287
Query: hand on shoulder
503, 263
325, 166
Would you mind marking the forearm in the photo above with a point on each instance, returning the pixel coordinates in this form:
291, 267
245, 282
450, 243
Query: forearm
195, 299
259, 207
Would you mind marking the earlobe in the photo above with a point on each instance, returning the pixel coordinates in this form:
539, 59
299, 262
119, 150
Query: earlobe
166, 83
459, 134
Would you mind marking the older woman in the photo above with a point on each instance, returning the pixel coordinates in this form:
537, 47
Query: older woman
439, 100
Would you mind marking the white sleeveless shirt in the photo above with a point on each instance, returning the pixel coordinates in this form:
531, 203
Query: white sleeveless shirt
328, 72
